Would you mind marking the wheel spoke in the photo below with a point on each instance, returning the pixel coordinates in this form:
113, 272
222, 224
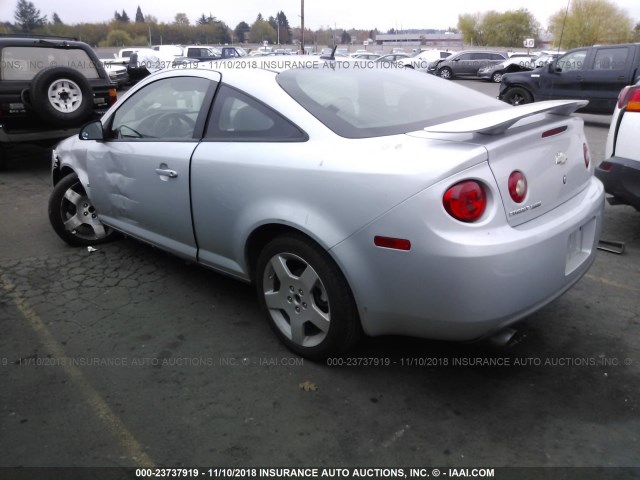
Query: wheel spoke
275, 300
73, 197
309, 278
73, 223
98, 230
279, 264
319, 318
297, 331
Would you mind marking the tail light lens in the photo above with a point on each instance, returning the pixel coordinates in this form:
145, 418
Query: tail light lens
465, 201
517, 186
629, 99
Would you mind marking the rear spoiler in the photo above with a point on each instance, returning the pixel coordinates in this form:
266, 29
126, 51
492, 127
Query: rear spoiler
498, 121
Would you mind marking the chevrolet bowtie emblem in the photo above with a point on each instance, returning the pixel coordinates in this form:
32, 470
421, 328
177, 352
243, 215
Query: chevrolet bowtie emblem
561, 158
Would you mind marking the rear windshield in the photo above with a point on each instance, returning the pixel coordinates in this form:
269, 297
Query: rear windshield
23, 63
364, 103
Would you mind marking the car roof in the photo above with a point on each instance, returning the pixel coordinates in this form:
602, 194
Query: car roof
40, 41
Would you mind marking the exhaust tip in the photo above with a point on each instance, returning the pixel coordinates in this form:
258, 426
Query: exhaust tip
503, 338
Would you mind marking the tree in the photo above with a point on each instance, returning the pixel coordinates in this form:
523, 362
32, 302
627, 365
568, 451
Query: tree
261, 31
118, 38
509, 29
636, 33
139, 16
345, 37
181, 19
56, 19
590, 22
285, 29
497, 29
241, 31
124, 17
28, 16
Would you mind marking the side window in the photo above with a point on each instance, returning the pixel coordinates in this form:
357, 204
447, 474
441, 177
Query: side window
496, 56
239, 117
165, 109
464, 57
572, 61
611, 58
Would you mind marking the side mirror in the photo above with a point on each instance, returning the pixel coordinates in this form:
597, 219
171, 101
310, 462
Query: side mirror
553, 68
92, 131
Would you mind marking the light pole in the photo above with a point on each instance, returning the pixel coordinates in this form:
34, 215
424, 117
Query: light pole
302, 23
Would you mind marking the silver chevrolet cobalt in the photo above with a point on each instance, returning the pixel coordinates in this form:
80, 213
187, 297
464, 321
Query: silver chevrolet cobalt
356, 200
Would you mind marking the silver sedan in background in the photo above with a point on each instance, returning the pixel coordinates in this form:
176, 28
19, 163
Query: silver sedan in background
376, 202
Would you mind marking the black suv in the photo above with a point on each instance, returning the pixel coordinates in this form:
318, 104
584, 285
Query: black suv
595, 73
49, 88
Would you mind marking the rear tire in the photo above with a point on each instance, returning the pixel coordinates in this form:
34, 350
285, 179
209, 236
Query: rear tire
306, 298
517, 96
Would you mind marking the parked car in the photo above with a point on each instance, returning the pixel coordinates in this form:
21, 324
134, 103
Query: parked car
465, 63
512, 64
49, 88
365, 56
421, 59
594, 73
391, 58
620, 171
118, 74
327, 189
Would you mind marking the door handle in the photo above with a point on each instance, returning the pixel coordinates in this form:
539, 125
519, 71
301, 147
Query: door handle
165, 172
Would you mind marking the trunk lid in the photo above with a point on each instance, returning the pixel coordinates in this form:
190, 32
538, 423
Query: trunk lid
542, 141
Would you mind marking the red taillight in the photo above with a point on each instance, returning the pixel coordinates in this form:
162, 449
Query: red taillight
517, 186
629, 99
390, 242
554, 131
465, 201
585, 152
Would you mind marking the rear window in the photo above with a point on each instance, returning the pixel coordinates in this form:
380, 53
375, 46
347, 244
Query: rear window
23, 63
371, 102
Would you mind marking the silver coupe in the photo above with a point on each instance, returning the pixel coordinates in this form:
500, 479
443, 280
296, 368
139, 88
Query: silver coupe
380, 202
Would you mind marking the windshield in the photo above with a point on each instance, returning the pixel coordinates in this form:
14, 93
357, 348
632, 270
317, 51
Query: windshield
371, 102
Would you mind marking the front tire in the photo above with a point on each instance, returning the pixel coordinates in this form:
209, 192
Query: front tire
446, 73
517, 96
73, 216
496, 77
306, 298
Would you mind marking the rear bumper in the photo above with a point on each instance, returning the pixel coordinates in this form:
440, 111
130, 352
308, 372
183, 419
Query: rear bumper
30, 136
464, 284
622, 179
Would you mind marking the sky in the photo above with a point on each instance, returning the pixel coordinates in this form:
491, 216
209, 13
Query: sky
360, 14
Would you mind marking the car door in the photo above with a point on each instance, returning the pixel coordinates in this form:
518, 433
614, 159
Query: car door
139, 175
605, 76
233, 173
565, 81
462, 64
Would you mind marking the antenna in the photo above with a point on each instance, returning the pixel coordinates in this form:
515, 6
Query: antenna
564, 22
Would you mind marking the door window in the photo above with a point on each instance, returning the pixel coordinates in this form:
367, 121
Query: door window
165, 109
572, 61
